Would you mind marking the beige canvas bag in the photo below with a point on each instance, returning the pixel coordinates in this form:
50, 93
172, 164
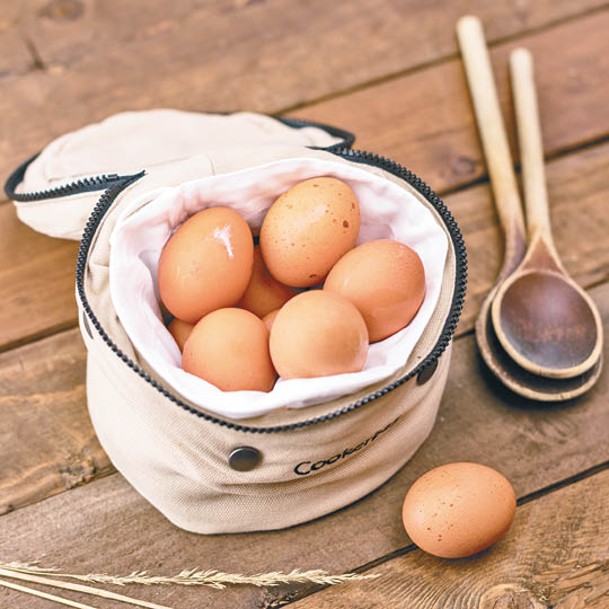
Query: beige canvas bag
209, 472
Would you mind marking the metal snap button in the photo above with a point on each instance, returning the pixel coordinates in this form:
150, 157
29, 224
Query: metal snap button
427, 373
244, 458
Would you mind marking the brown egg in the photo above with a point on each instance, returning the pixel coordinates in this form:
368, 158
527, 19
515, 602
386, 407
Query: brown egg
206, 264
458, 509
307, 229
385, 280
230, 349
264, 293
269, 318
180, 330
318, 333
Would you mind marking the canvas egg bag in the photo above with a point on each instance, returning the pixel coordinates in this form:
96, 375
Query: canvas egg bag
213, 461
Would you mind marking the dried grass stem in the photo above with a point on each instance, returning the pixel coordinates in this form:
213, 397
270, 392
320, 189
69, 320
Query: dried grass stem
211, 578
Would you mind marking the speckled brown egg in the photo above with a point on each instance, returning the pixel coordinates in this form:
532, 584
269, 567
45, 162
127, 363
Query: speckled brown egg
230, 348
458, 509
206, 264
318, 333
269, 318
308, 228
385, 280
264, 293
180, 330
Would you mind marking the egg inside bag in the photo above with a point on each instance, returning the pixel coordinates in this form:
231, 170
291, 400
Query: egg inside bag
388, 211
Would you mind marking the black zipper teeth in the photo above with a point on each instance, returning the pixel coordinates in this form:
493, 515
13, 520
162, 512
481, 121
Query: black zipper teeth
108, 197
347, 137
89, 184
79, 186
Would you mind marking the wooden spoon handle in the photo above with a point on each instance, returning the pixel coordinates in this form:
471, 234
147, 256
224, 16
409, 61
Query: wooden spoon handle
531, 145
492, 132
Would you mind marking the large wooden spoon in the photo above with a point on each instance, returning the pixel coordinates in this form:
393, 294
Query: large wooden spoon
543, 319
498, 160
507, 199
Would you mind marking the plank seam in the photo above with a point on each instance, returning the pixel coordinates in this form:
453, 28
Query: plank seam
37, 337
442, 59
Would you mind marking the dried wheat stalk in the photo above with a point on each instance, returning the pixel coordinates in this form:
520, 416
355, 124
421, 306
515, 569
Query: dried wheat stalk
49, 597
33, 576
211, 578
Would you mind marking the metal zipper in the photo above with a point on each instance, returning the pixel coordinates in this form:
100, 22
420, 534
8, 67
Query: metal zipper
91, 184
368, 158
103, 182
347, 137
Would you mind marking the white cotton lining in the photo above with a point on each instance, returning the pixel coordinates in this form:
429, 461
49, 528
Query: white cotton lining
387, 212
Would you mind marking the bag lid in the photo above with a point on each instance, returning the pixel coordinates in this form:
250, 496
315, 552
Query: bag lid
56, 190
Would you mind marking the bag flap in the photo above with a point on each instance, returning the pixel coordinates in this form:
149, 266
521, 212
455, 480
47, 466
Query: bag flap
55, 191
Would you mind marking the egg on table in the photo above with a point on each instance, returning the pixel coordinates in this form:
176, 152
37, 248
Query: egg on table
458, 509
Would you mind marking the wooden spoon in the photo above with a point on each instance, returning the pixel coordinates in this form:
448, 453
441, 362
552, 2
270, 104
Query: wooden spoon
529, 385
500, 168
507, 199
545, 322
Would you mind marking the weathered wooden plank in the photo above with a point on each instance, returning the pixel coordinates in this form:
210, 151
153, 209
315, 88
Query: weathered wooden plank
36, 282
425, 120
48, 443
402, 35
106, 526
15, 58
67, 30
260, 57
555, 555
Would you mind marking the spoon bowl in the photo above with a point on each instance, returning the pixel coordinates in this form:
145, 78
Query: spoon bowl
522, 381
547, 324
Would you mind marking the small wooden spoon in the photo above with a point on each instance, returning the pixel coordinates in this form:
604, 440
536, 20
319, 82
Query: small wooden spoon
527, 384
545, 322
507, 200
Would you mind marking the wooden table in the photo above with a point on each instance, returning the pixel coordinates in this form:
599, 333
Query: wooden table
390, 72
